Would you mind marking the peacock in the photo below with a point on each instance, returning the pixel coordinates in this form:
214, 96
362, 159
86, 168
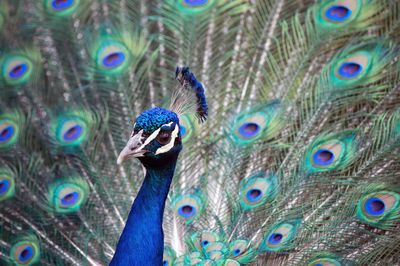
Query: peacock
200, 132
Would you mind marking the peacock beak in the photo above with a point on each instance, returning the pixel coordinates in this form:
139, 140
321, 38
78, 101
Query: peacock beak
133, 149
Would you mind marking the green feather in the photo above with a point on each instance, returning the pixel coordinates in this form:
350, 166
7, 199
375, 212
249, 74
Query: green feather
11, 125
280, 237
257, 189
379, 207
114, 54
67, 195
73, 128
327, 259
199, 240
25, 250
331, 151
337, 15
7, 183
359, 65
241, 251
63, 10
188, 128
189, 9
20, 67
189, 207
260, 123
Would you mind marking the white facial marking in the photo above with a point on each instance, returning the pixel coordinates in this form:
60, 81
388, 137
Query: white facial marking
170, 144
153, 135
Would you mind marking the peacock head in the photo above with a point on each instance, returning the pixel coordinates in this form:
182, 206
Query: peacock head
155, 140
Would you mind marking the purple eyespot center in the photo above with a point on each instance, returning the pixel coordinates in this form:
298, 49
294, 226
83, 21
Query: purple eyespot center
338, 13
73, 133
26, 254
249, 129
350, 70
186, 211
375, 206
114, 59
4, 185
254, 194
275, 238
323, 157
62, 4
6, 133
195, 3
70, 198
18, 71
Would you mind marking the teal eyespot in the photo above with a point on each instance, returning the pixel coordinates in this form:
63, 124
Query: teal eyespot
352, 68
188, 207
26, 251
16, 69
8, 131
7, 184
338, 13
379, 208
216, 251
241, 251
331, 152
325, 262
10, 128
257, 190
202, 239
281, 236
68, 195
258, 123
192, 7
71, 129
61, 8
335, 14
112, 57
187, 128
195, 3
357, 66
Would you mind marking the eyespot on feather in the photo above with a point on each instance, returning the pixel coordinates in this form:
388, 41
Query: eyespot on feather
256, 190
188, 207
68, 195
62, 8
281, 236
241, 251
25, 251
71, 129
10, 128
324, 262
112, 57
262, 122
200, 240
7, 184
379, 209
16, 69
335, 14
193, 7
187, 128
334, 151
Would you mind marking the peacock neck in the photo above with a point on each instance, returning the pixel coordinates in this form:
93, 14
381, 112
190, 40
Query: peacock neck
142, 239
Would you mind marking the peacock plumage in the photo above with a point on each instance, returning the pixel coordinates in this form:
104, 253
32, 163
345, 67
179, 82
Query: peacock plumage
297, 162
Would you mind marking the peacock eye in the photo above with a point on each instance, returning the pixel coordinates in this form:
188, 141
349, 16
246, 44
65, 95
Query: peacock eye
164, 137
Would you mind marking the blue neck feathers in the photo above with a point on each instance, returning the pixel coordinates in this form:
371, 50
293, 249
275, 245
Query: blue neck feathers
142, 241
